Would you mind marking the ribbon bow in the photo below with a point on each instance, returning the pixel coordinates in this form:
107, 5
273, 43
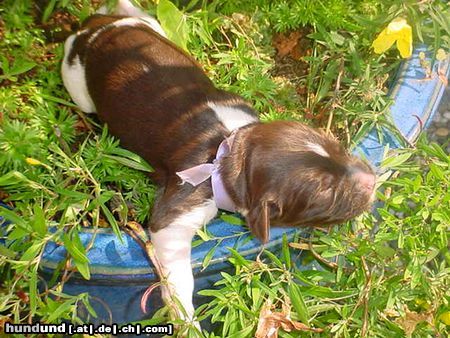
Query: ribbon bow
202, 172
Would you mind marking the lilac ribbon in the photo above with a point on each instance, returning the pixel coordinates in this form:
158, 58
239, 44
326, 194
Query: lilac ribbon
202, 172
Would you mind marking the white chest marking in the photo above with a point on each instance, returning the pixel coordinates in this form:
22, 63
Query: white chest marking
232, 118
74, 78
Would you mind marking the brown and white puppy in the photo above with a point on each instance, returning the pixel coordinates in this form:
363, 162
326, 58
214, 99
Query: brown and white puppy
157, 100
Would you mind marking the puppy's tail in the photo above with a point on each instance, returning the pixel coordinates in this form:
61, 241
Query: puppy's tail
123, 7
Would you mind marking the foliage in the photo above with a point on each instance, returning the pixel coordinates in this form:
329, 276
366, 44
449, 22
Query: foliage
340, 47
60, 170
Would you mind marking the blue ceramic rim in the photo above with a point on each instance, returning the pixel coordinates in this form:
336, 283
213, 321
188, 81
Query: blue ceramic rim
147, 272
413, 97
434, 101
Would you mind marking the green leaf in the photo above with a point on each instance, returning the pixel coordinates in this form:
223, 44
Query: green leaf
75, 248
274, 258
395, 160
104, 197
88, 306
209, 256
57, 100
20, 66
239, 260
286, 252
437, 171
245, 332
18, 233
13, 218
6, 252
363, 130
232, 219
112, 221
271, 292
142, 165
33, 291
385, 251
77, 196
337, 38
173, 21
213, 293
325, 292
39, 224
32, 251
203, 235
60, 310
298, 302
11, 178
83, 269
400, 240
48, 10
397, 200
256, 297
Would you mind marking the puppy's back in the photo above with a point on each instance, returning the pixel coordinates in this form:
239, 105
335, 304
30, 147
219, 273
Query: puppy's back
149, 92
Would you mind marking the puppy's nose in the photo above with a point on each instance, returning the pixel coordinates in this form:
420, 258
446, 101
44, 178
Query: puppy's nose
366, 180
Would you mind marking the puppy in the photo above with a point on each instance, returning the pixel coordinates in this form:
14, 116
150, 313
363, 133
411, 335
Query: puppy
207, 146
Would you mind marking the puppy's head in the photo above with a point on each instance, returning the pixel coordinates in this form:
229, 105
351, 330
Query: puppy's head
296, 176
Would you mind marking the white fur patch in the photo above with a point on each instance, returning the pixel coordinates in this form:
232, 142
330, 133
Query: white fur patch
232, 118
125, 7
318, 149
135, 21
132, 21
173, 248
102, 10
136, 17
74, 78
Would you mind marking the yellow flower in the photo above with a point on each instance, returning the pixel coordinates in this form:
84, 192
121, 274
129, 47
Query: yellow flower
33, 161
445, 318
397, 31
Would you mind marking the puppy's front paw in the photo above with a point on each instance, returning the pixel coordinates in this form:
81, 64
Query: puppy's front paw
179, 309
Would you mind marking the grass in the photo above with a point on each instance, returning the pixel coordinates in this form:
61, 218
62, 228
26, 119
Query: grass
384, 275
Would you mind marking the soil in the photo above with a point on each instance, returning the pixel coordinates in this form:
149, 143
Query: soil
292, 47
58, 27
289, 63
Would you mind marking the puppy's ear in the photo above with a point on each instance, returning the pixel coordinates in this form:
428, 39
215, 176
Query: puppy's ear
258, 220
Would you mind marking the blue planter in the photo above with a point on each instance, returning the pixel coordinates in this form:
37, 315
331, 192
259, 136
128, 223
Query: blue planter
120, 272
413, 98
